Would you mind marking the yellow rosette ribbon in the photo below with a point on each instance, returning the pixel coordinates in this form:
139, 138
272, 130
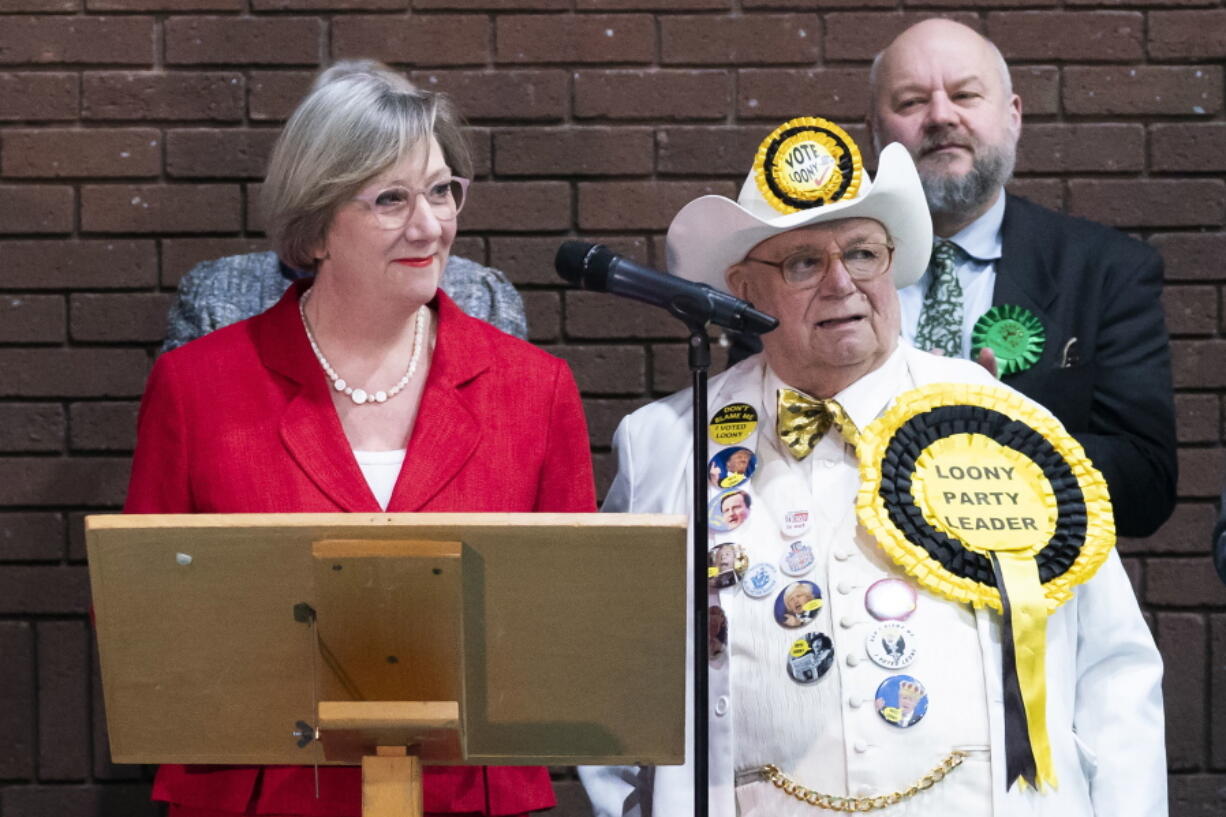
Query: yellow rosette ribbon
983, 497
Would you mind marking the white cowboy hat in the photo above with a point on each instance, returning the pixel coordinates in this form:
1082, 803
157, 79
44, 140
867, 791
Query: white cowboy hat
712, 233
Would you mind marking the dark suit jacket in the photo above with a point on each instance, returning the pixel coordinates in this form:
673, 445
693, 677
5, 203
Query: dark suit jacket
1104, 289
242, 421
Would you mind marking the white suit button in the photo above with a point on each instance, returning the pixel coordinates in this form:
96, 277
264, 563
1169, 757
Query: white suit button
846, 622
853, 660
842, 555
855, 702
721, 705
846, 587
860, 746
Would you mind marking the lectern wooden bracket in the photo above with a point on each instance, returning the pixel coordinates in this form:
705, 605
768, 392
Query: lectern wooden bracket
387, 738
389, 625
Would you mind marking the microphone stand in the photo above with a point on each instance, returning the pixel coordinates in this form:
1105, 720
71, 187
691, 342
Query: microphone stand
593, 266
700, 362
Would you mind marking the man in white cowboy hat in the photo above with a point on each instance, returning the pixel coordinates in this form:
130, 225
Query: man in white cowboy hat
879, 689
1104, 364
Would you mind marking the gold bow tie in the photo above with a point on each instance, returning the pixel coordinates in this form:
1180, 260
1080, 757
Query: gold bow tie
803, 421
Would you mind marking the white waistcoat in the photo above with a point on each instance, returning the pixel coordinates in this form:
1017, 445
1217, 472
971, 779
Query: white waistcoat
1104, 711
828, 734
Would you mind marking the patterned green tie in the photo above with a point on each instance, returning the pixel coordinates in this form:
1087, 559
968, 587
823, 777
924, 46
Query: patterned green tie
940, 323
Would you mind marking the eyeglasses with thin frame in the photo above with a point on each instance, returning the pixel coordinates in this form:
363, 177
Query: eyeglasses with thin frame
394, 206
806, 268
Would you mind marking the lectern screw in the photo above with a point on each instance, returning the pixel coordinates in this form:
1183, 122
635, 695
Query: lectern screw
305, 733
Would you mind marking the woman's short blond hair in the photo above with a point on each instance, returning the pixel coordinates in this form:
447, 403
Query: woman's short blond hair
360, 119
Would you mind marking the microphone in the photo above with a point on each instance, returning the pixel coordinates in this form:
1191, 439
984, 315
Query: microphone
596, 267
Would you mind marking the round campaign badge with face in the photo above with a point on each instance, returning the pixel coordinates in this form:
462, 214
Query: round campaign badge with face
797, 604
729, 510
891, 644
733, 424
810, 657
902, 701
890, 600
726, 563
731, 467
794, 523
717, 632
760, 580
798, 560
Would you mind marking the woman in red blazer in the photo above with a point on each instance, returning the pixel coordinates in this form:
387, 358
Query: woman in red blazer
366, 390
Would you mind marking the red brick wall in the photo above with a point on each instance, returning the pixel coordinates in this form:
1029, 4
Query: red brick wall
133, 134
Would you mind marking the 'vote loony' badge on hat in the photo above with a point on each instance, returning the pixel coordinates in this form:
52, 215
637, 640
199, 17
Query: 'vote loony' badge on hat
807, 162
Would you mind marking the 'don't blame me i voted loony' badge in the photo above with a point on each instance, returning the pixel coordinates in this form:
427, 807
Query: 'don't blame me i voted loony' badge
733, 423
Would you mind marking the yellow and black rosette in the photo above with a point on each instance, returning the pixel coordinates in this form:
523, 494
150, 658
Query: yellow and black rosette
984, 498
805, 163
1013, 333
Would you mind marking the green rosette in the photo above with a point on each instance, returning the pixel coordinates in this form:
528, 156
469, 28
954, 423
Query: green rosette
1013, 333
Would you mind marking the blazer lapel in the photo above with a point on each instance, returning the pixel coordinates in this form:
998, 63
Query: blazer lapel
1026, 276
310, 428
446, 431
1023, 275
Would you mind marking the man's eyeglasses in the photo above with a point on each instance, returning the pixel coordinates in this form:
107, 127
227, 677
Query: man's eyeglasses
806, 268
393, 207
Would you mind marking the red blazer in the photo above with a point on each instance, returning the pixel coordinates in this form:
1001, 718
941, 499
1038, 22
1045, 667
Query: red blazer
241, 421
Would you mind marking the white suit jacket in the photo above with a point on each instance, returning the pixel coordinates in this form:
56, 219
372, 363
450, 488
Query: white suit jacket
1104, 711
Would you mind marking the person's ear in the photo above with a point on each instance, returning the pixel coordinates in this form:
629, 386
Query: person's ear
737, 278
319, 252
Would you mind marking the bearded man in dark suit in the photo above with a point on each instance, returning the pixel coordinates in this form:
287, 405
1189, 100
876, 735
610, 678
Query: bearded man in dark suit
1073, 309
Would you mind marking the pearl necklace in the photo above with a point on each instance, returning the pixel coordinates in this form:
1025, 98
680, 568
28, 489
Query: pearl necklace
361, 396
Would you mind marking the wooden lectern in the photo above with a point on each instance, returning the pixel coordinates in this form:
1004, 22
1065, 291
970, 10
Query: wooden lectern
391, 640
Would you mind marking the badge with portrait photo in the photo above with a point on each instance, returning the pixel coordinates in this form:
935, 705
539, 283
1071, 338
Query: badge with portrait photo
902, 701
729, 510
731, 467
726, 563
810, 657
797, 604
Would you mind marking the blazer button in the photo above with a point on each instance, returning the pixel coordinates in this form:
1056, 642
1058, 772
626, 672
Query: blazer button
846, 623
852, 659
842, 555
860, 746
845, 588
721, 705
855, 702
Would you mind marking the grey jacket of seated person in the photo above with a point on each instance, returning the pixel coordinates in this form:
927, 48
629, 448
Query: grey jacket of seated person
226, 290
